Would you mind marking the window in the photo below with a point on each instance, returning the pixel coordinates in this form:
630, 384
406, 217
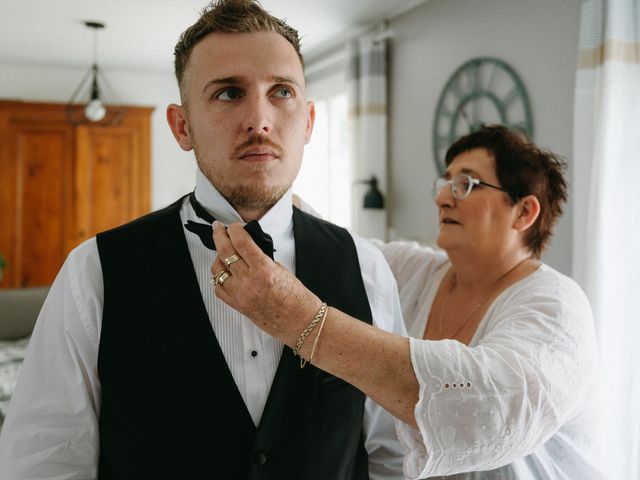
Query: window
326, 175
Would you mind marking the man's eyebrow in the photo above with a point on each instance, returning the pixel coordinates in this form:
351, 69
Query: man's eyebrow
238, 80
278, 79
222, 81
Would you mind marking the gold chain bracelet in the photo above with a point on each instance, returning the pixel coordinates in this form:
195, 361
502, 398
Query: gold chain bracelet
322, 312
315, 341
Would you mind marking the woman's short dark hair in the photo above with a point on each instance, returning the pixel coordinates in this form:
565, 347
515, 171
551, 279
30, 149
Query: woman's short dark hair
229, 16
522, 169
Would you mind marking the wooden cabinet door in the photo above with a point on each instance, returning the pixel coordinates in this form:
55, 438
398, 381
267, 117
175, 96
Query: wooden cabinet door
8, 202
60, 184
37, 174
112, 176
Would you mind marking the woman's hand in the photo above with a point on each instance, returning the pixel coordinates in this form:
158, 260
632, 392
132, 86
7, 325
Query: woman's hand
376, 362
259, 288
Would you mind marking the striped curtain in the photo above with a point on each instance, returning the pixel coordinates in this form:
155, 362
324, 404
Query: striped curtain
367, 78
606, 212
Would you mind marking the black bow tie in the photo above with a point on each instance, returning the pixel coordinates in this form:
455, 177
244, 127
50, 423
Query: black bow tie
205, 232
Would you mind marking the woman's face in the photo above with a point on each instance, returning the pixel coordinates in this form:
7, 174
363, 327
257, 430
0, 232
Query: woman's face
481, 222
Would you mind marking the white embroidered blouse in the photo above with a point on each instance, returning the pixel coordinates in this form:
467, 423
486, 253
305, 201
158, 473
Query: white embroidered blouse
517, 402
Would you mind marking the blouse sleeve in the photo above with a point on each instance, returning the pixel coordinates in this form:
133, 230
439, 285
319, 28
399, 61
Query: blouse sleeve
484, 406
409, 260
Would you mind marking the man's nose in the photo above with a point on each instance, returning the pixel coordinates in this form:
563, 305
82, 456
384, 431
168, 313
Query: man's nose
258, 116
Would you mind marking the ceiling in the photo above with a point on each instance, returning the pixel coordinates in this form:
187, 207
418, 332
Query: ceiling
141, 34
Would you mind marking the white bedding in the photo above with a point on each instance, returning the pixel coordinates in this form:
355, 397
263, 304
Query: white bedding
11, 357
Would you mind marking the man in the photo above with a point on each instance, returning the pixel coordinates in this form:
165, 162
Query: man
136, 370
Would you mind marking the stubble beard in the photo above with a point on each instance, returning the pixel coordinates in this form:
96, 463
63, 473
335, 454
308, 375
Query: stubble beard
246, 196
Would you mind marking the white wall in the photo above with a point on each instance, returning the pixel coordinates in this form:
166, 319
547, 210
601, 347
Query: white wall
539, 39
172, 170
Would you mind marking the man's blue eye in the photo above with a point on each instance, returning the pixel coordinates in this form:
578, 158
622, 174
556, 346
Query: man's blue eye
228, 94
284, 92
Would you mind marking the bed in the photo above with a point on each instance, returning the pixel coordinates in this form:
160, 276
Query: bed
19, 310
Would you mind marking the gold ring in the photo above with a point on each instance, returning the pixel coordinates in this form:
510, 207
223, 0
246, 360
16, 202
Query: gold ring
223, 276
214, 278
232, 259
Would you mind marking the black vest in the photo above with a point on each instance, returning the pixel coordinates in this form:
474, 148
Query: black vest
170, 406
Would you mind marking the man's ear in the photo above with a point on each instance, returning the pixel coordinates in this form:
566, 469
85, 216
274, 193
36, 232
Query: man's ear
179, 124
311, 118
528, 210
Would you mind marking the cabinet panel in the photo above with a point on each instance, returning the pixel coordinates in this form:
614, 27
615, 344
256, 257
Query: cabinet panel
112, 182
43, 157
8, 214
108, 176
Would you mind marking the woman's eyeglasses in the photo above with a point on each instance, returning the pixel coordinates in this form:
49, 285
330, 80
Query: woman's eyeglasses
461, 185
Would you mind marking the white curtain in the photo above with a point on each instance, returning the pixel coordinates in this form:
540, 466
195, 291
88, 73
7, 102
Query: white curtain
368, 116
606, 205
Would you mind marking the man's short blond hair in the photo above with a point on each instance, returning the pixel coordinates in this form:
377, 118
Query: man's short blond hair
228, 16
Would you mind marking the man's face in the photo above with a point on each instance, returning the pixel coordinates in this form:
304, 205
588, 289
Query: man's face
247, 117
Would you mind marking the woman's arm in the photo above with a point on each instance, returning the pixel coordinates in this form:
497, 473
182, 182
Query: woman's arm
374, 361
476, 408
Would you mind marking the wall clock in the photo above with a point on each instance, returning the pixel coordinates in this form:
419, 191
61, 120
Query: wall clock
482, 91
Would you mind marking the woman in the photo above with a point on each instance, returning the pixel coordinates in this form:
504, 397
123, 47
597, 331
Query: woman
500, 373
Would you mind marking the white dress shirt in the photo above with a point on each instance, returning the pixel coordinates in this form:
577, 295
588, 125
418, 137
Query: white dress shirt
51, 429
519, 400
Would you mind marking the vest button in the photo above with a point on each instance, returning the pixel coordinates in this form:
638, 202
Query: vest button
259, 458
254, 353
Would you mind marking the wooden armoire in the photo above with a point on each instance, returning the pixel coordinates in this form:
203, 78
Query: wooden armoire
61, 183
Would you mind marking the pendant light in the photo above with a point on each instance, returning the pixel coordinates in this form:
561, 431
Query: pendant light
95, 110
95, 91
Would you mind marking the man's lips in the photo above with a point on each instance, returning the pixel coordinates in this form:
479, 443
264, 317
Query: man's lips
448, 221
258, 149
259, 154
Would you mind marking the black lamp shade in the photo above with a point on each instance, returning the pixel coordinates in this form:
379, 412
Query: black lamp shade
373, 198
